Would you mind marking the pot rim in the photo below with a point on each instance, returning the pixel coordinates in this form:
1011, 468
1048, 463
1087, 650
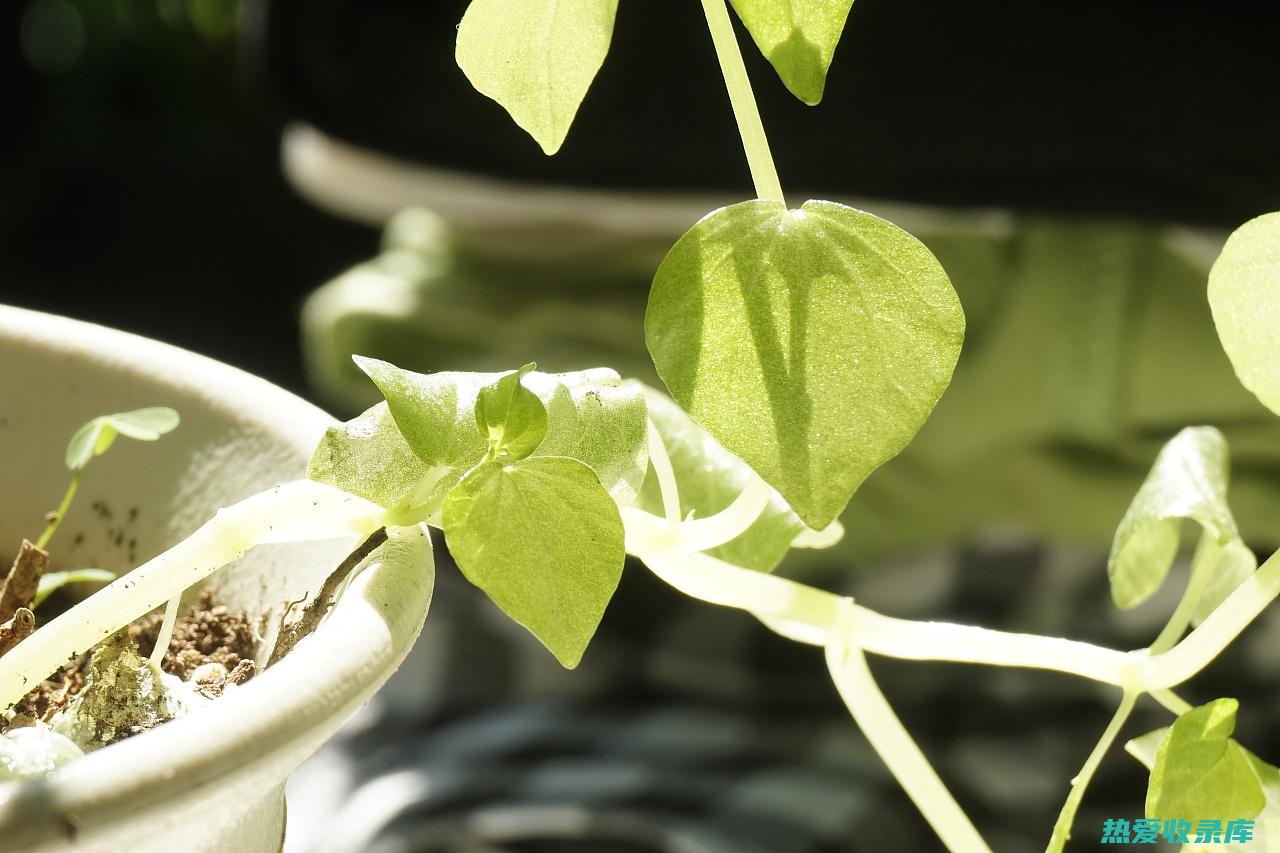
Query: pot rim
358, 646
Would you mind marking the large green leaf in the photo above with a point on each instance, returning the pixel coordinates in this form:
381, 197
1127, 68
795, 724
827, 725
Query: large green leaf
1201, 772
536, 58
590, 417
1187, 481
709, 478
798, 37
544, 540
1244, 294
812, 343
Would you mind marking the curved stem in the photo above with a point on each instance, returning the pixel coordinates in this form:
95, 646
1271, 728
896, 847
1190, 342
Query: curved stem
754, 141
891, 741
703, 534
1199, 648
666, 475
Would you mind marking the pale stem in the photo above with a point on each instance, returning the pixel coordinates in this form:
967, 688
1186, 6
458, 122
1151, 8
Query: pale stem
165, 632
892, 742
666, 475
298, 511
1062, 828
1171, 701
1199, 648
1208, 553
703, 534
745, 111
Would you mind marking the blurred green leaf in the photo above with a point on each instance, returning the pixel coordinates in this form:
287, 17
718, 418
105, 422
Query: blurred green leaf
1244, 295
1187, 481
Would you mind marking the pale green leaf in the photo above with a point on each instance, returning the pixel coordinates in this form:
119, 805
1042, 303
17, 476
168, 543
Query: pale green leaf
812, 343
51, 582
511, 417
536, 58
1187, 481
596, 418
1244, 295
368, 457
798, 37
709, 478
544, 540
1201, 772
96, 437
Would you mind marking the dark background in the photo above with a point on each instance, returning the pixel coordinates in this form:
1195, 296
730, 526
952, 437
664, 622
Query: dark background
139, 177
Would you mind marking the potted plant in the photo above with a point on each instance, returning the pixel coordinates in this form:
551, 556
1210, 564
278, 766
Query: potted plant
216, 778
803, 348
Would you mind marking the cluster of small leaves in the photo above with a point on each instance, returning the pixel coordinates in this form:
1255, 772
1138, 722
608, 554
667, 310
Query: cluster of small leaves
525, 473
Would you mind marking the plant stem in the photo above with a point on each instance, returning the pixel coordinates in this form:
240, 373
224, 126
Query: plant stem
891, 741
1172, 702
1208, 553
61, 512
750, 128
300, 511
666, 475
166, 632
1062, 828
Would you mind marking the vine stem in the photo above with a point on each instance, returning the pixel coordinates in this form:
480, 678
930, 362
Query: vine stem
300, 511
1062, 827
891, 741
745, 111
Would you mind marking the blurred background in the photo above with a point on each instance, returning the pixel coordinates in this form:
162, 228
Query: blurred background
280, 184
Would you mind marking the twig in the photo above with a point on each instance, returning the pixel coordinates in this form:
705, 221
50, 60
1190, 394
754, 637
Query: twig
319, 606
16, 629
23, 580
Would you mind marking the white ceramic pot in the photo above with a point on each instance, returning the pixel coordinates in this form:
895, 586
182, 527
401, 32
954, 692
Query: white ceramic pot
212, 780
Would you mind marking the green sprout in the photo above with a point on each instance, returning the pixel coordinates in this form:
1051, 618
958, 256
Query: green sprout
94, 439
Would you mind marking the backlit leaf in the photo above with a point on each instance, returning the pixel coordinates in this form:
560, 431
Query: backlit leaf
798, 37
536, 58
812, 343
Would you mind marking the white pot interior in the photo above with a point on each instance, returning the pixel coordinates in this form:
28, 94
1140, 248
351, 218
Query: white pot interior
210, 781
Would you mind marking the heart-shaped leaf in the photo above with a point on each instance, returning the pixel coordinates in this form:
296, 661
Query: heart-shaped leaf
812, 343
544, 540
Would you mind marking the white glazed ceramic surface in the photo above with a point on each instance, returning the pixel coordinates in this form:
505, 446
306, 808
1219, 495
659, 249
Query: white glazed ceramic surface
214, 780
